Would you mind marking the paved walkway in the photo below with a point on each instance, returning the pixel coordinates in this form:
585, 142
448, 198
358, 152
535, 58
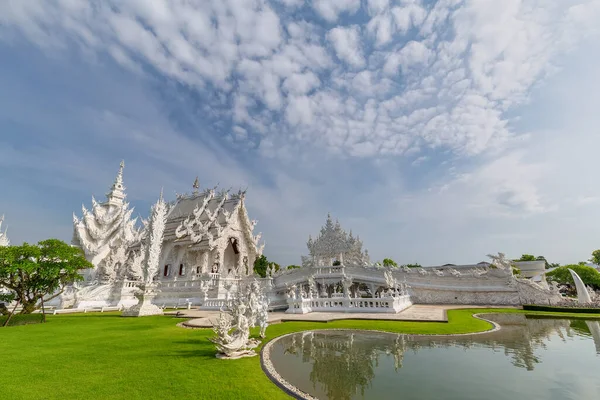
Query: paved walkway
419, 312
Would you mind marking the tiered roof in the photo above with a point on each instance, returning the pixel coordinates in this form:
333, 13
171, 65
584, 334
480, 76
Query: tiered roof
200, 218
333, 241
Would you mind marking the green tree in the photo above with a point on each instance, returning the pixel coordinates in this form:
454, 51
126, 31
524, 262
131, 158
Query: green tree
388, 262
260, 266
595, 257
527, 257
39, 273
412, 265
293, 267
589, 275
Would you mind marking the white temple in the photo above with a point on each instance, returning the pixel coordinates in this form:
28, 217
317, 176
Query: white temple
202, 250
208, 245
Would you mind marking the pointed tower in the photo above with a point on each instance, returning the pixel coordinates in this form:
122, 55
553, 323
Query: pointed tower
3, 238
106, 231
116, 196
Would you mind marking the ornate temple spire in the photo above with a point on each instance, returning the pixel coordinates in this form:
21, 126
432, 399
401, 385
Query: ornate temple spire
196, 186
117, 191
106, 231
3, 238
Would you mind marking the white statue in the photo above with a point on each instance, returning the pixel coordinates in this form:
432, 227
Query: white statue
204, 288
233, 331
145, 264
500, 261
312, 287
583, 297
3, 238
347, 284
391, 282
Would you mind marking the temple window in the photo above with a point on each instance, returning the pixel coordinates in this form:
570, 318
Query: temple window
181, 269
166, 271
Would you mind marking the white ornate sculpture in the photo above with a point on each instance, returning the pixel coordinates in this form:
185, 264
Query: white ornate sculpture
258, 307
500, 261
3, 238
145, 264
233, 330
106, 232
390, 281
347, 284
312, 287
454, 272
583, 297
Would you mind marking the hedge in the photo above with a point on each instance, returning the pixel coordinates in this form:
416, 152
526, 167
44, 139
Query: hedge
531, 307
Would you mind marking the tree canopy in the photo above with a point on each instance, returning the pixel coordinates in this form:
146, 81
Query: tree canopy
388, 262
527, 257
261, 264
595, 257
412, 265
589, 275
32, 272
293, 267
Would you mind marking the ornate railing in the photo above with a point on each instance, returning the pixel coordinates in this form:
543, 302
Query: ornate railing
327, 304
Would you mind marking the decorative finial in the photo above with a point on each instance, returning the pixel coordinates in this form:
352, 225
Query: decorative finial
161, 194
122, 165
196, 185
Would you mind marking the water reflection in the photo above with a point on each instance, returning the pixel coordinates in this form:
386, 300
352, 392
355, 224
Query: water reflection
343, 364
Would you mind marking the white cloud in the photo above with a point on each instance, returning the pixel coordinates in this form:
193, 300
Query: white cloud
448, 78
331, 9
346, 43
449, 86
301, 83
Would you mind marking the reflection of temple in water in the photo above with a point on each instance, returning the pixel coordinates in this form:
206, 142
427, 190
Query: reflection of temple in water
344, 362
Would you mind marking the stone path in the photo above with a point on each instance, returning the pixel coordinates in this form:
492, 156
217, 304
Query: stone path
419, 312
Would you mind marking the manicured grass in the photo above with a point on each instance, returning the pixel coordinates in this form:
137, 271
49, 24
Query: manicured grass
104, 356
19, 319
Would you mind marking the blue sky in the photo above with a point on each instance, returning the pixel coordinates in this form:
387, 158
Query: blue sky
437, 131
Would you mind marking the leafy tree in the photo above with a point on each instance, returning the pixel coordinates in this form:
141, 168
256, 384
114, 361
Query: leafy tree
34, 273
336, 262
388, 262
595, 257
412, 265
260, 266
293, 267
527, 257
589, 275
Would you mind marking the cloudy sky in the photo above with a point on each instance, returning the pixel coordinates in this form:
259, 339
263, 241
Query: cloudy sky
439, 131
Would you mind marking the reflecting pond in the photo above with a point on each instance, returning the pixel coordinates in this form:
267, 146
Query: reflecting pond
529, 358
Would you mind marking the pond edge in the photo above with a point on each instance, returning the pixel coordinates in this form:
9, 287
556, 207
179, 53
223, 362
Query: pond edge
273, 375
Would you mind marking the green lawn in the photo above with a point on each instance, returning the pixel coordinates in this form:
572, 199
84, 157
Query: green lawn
104, 356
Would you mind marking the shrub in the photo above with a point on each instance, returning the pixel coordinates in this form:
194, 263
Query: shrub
590, 276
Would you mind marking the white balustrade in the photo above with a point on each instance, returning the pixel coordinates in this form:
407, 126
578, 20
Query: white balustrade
367, 305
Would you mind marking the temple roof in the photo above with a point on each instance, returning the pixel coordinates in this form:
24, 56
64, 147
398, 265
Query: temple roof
333, 241
200, 218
